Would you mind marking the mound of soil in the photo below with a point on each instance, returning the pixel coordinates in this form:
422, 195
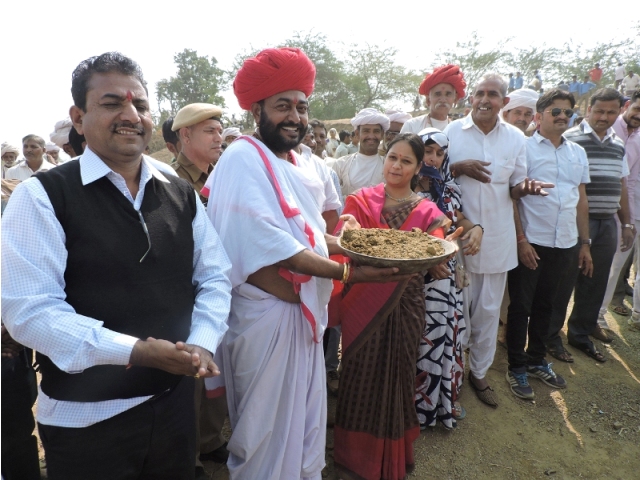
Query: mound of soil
389, 243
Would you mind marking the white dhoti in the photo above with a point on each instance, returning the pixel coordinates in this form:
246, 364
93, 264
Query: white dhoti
485, 297
276, 390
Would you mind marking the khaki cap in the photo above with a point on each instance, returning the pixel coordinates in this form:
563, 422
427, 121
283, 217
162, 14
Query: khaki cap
195, 113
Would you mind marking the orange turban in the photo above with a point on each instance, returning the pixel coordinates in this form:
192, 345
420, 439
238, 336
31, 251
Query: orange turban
272, 71
450, 74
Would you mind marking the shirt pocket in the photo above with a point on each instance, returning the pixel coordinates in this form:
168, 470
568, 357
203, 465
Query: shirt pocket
571, 173
502, 172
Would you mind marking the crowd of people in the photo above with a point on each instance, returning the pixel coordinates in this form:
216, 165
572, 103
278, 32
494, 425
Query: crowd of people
160, 299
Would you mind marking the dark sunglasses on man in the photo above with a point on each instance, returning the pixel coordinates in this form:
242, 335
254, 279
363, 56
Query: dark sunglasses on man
557, 111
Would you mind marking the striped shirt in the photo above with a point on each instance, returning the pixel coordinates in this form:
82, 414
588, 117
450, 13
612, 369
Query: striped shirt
607, 166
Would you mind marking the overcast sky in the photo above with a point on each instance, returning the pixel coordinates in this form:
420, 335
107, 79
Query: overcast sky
42, 42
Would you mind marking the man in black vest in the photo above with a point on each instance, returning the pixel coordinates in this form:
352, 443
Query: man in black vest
111, 286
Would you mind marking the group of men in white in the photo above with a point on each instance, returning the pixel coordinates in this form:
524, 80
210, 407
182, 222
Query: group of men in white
272, 237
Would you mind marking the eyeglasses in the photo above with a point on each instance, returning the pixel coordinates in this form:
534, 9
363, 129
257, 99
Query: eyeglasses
557, 111
391, 132
146, 232
438, 137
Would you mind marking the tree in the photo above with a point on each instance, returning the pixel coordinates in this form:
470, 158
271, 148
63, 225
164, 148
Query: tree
374, 79
199, 79
474, 61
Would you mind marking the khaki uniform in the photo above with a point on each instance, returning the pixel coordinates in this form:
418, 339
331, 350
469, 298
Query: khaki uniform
192, 174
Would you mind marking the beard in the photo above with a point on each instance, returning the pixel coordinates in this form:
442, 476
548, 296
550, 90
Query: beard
270, 134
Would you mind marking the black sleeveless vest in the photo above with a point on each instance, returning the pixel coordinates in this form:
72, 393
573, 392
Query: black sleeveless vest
105, 280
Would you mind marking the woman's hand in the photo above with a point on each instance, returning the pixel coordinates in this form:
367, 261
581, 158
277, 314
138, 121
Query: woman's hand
440, 272
473, 238
366, 274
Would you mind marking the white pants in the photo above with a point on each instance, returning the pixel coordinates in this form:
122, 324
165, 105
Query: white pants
276, 390
485, 294
636, 287
619, 260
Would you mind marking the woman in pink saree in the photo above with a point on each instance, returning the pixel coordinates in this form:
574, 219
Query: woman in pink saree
382, 324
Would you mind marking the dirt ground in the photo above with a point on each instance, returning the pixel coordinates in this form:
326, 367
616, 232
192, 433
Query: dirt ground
591, 430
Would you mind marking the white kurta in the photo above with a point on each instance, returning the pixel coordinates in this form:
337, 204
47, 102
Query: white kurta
272, 367
490, 204
417, 124
357, 171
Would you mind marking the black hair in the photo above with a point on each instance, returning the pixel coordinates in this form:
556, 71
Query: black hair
635, 95
606, 95
169, 135
317, 123
343, 134
105, 63
414, 141
551, 96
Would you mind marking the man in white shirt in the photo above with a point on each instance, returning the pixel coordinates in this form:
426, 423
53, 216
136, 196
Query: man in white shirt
113, 274
9, 157
345, 142
520, 109
33, 149
397, 120
363, 169
442, 89
488, 159
551, 227
630, 83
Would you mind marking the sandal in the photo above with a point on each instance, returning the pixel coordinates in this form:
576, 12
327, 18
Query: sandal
591, 351
563, 355
602, 335
458, 411
620, 310
485, 395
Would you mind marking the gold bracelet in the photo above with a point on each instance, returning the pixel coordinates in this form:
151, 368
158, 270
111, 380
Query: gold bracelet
345, 272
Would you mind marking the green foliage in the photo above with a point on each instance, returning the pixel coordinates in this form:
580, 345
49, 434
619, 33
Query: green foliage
199, 79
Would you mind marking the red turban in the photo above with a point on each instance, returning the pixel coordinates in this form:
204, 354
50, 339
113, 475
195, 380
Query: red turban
450, 74
272, 71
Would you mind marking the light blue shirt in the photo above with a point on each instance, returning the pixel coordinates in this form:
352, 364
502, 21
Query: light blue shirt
551, 221
573, 87
36, 314
585, 87
519, 82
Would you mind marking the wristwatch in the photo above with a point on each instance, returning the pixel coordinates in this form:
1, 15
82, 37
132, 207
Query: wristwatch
629, 225
585, 241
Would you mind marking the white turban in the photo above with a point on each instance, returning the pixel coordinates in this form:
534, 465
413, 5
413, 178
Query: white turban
7, 148
231, 131
523, 97
60, 134
370, 116
397, 116
51, 147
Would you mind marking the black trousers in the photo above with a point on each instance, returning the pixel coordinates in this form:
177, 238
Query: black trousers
532, 294
154, 440
19, 445
589, 292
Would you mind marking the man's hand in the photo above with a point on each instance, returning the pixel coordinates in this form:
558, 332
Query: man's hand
350, 222
585, 263
627, 238
10, 348
473, 238
179, 360
528, 255
474, 169
530, 187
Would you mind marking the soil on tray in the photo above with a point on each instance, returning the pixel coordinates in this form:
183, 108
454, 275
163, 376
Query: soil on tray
388, 243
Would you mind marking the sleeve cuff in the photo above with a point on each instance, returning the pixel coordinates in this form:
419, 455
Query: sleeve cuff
114, 348
205, 338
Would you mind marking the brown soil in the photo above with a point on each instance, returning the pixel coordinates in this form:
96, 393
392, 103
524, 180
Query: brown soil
389, 243
591, 430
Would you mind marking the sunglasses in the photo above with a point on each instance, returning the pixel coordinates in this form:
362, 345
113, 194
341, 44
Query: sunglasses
438, 137
557, 111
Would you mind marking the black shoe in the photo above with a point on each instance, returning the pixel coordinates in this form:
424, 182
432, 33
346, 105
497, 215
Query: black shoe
219, 455
201, 474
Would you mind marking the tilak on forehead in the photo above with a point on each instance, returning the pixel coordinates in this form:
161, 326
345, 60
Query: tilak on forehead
129, 95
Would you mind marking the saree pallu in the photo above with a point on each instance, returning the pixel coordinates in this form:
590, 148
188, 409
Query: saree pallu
382, 324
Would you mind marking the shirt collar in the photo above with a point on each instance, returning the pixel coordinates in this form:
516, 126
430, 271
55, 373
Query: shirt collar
586, 128
92, 168
194, 172
467, 122
539, 138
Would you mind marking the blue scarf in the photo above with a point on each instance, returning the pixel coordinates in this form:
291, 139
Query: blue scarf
436, 185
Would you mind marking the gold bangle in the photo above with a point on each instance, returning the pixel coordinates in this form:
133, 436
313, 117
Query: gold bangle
345, 272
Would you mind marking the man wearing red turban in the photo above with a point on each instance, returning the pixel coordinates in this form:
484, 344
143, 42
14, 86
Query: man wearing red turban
265, 201
443, 87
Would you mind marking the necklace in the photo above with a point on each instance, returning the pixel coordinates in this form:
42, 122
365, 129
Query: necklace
399, 200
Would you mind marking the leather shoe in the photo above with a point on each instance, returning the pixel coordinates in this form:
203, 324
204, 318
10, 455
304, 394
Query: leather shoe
602, 335
219, 455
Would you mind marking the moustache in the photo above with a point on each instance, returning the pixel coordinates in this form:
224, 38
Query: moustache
139, 128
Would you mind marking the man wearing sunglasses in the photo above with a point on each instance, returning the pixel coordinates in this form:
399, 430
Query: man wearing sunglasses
547, 243
121, 287
607, 196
